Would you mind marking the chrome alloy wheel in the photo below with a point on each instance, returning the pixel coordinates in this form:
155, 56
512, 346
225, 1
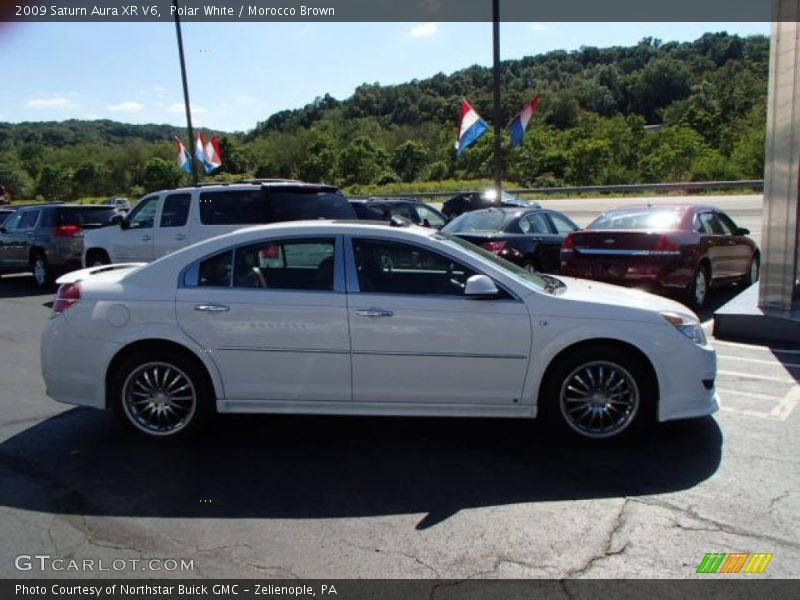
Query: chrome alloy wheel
159, 398
599, 399
40, 271
700, 287
753, 271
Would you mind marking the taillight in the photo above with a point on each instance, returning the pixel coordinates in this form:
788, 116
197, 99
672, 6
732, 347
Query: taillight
68, 231
569, 242
68, 294
664, 246
494, 247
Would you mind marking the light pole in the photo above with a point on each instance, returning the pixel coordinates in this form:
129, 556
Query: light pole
185, 93
498, 157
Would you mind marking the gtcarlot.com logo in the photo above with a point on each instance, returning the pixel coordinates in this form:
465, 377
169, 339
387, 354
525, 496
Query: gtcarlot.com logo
45, 562
735, 562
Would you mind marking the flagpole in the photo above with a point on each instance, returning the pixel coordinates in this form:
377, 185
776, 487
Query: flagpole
186, 93
498, 158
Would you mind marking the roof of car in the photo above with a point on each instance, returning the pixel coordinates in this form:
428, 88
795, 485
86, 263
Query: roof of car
678, 206
253, 183
362, 200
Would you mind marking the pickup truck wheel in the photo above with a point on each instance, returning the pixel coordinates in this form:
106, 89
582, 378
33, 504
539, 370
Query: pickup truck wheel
97, 258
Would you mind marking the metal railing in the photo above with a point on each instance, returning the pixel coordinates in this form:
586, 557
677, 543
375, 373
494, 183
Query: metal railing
687, 186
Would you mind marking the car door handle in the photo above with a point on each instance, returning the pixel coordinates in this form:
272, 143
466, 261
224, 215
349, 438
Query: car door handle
374, 313
145, 238
212, 308
180, 237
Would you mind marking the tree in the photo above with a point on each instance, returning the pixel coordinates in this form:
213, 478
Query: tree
158, 174
409, 159
54, 184
361, 162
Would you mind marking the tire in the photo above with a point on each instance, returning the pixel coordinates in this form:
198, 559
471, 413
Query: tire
597, 393
530, 266
752, 272
41, 271
699, 287
162, 395
97, 258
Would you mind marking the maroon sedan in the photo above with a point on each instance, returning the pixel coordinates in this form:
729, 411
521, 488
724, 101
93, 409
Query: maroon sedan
667, 248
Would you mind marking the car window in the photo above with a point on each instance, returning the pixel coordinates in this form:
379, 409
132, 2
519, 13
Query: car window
725, 222
286, 265
250, 207
709, 224
394, 268
84, 215
365, 211
401, 211
427, 214
216, 271
12, 223
638, 219
303, 204
4, 217
484, 220
233, 207
143, 216
562, 225
534, 223
29, 218
175, 212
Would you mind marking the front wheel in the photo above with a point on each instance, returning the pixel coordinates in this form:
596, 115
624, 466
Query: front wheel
41, 272
752, 272
599, 393
163, 395
698, 289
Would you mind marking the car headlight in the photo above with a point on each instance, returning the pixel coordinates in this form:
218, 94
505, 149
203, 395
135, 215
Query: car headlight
688, 326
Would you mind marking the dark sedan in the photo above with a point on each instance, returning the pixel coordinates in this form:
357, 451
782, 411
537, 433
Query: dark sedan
681, 248
383, 209
529, 237
462, 203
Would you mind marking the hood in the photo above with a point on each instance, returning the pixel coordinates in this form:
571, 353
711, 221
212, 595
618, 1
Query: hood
584, 290
105, 273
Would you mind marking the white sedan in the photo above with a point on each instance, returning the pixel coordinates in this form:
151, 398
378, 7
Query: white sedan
365, 319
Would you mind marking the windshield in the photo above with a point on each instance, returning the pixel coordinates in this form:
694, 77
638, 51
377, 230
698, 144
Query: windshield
518, 273
638, 219
484, 220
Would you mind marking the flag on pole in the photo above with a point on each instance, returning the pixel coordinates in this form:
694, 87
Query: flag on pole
199, 149
184, 158
470, 127
520, 122
213, 155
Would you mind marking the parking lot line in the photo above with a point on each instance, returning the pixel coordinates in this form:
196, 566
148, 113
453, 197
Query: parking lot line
740, 375
762, 361
751, 346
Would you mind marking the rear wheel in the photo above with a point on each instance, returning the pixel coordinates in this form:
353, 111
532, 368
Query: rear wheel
41, 272
163, 395
698, 289
599, 393
530, 266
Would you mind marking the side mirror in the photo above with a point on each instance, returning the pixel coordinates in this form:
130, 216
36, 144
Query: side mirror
123, 223
742, 231
481, 287
426, 223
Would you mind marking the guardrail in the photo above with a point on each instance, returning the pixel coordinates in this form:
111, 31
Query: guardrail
688, 186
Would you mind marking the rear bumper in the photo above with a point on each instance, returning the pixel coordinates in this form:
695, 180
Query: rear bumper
666, 274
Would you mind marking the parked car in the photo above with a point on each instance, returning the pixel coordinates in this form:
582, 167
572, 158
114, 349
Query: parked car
458, 205
383, 209
47, 239
335, 317
681, 248
529, 237
121, 204
4, 214
168, 220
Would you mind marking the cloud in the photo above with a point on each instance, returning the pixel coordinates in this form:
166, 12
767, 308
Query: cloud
539, 27
180, 107
424, 30
129, 106
54, 101
159, 89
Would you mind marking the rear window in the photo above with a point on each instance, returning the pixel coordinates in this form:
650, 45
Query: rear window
490, 220
85, 215
251, 207
639, 219
4, 215
367, 212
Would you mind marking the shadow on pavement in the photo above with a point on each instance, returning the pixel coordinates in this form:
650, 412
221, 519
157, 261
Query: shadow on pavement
82, 462
22, 286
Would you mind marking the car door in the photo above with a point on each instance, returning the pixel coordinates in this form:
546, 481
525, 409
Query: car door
560, 226
545, 244
10, 240
716, 246
133, 242
737, 246
273, 317
173, 231
416, 339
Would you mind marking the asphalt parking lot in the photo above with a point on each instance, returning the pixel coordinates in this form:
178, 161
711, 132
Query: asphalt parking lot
282, 497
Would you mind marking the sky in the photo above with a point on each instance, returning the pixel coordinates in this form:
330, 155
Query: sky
241, 73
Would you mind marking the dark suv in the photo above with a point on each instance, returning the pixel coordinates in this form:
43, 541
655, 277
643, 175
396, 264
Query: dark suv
383, 209
48, 239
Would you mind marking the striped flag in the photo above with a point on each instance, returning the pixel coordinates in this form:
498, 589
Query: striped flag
213, 155
184, 158
470, 127
520, 122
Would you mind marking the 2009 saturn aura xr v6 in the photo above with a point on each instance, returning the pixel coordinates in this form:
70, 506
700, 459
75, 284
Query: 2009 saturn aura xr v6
363, 318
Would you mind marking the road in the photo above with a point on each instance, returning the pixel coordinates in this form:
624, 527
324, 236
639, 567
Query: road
282, 497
